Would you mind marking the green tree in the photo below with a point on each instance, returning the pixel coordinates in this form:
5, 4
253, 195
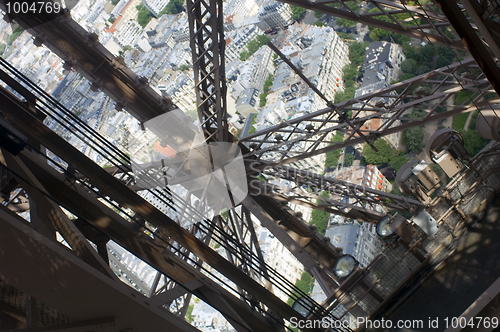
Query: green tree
305, 284
184, 67
422, 69
319, 24
348, 159
189, 313
320, 218
438, 170
267, 86
416, 114
143, 16
114, 2
406, 76
344, 23
357, 52
297, 12
127, 48
2, 48
254, 121
445, 56
415, 139
398, 160
244, 55
262, 40
382, 34
473, 142
16, 33
427, 53
253, 46
409, 66
262, 99
173, 7
345, 95
383, 156
318, 14
111, 19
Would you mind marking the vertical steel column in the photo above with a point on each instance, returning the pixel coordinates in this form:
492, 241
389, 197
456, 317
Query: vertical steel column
207, 47
472, 41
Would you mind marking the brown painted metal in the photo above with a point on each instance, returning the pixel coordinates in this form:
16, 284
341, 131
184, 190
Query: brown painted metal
472, 41
388, 17
112, 187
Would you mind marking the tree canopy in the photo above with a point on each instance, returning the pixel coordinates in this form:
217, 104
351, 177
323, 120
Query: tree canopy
344, 23
297, 12
320, 218
173, 7
348, 159
143, 16
473, 142
305, 284
253, 46
378, 34
16, 33
383, 156
415, 139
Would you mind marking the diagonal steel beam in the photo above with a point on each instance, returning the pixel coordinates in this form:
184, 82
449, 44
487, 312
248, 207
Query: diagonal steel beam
388, 105
111, 187
395, 16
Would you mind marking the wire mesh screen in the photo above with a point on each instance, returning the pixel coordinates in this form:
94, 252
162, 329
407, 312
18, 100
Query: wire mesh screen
383, 277
16, 300
467, 199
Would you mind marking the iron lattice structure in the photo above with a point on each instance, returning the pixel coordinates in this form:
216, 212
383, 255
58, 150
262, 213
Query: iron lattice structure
105, 206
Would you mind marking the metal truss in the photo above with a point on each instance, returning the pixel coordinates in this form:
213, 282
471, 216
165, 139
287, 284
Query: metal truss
483, 41
438, 21
422, 19
207, 46
105, 199
143, 230
345, 198
433, 92
83, 52
167, 290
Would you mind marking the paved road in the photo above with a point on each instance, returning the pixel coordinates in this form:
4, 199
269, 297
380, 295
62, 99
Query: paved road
309, 18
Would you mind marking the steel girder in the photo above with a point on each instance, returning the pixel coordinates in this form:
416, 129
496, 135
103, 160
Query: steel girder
111, 187
293, 222
207, 42
485, 17
433, 92
148, 248
83, 52
51, 273
295, 231
154, 252
422, 20
307, 188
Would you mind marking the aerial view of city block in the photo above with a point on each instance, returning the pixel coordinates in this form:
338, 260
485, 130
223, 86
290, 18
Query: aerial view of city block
296, 81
